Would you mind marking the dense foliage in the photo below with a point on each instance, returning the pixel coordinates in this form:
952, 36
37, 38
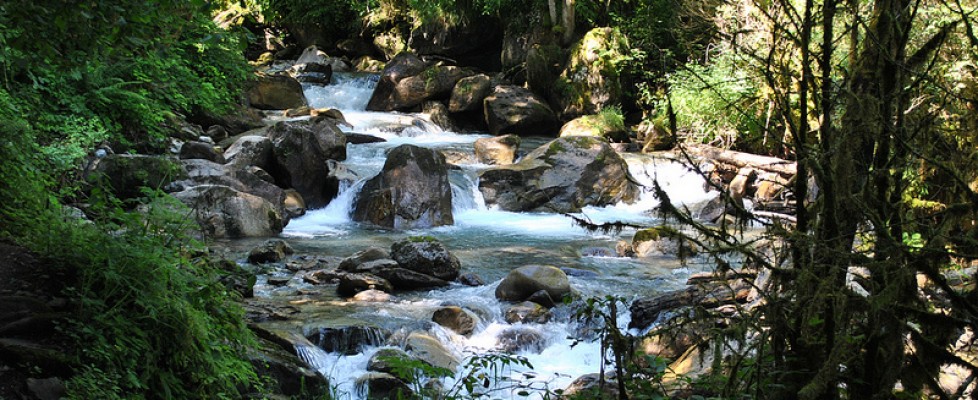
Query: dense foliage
150, 320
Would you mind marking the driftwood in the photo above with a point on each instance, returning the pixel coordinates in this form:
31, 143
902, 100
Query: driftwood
739, 160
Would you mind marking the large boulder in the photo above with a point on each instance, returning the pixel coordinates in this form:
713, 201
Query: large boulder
435, 82
563, 175
523, 282
223, 212
590, 81
250, 150
512, 109
300, 150
412, 191
276, 92
427, 256
403, 65
126, 175
203, 172
498, 150
468, 93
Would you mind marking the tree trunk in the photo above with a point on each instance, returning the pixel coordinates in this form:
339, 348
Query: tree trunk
568, 23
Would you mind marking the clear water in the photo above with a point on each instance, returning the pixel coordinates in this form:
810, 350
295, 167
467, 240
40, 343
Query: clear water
489, 242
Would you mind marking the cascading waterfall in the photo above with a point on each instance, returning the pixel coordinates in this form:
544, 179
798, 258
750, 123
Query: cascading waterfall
489, 242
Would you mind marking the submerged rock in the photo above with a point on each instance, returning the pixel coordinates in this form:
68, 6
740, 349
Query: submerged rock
455, 318
524, 281
427, 348
411, 192
519, 339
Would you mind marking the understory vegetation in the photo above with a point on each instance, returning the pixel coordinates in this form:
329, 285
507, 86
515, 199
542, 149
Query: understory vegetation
149, 318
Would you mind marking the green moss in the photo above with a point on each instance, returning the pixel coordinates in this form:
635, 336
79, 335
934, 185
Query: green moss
421, 239
646, 235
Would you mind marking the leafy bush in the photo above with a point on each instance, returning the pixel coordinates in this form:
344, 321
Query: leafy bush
713, 104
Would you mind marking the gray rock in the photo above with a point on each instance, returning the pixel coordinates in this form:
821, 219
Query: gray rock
520, 339
273, 250
469, 93
380, 385
201, 150
381, 360
412, 191
405, 279
223, 212
426, 256
499, 150
369, 254
512, 109
428, 349
563, 175
300, 150
351, 284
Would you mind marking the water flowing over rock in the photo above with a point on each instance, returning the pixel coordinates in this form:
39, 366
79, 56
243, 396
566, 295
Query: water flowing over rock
405, 279
426, 256
350, 338
499, 150
524, 281
223, 212
561, 176
411, 192
427, 348
276, 92
455, 318
512, 109
521, 339
300, 151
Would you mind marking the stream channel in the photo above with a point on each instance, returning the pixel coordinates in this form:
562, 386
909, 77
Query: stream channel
488, 242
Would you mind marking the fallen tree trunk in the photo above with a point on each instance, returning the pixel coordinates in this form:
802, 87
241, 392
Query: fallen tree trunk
739, 160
